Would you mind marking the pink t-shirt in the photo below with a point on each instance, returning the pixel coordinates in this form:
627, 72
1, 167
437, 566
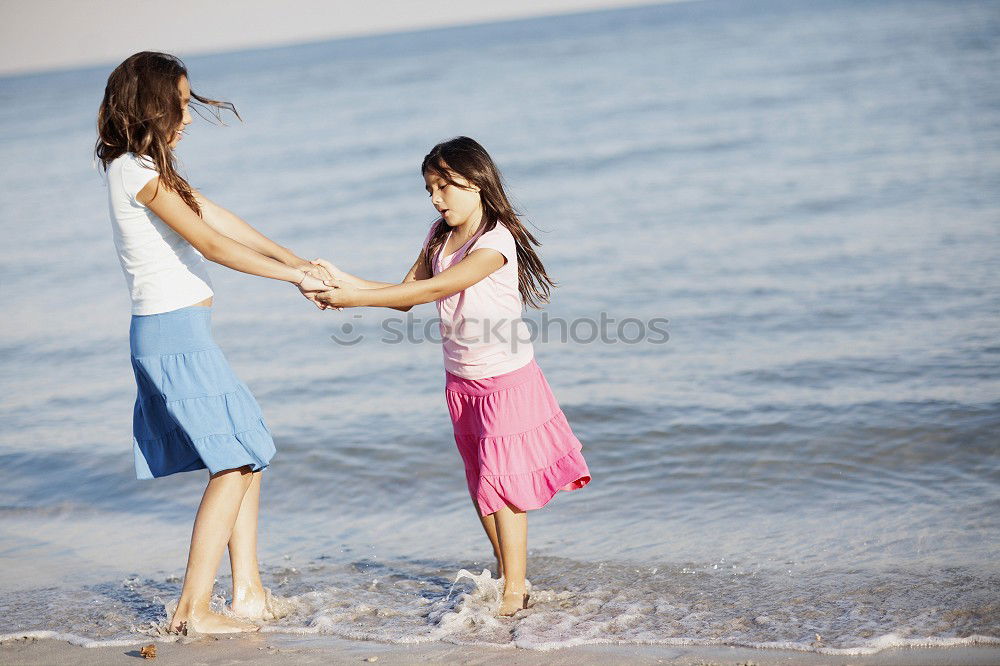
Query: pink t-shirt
482, 331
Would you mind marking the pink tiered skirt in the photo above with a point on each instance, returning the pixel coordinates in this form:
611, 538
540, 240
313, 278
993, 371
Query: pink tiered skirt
515, 441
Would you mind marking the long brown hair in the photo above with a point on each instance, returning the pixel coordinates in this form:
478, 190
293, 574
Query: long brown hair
140, 112
467, 158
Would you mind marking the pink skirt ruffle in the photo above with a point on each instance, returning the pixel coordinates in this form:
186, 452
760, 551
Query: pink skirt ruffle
514, 439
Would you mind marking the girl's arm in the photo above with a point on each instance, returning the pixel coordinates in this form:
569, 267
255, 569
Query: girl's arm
340, 275
470, 270
229, 224
417, 272
215, 246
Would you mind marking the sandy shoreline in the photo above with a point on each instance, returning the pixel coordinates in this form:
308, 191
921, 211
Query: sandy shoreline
282, 649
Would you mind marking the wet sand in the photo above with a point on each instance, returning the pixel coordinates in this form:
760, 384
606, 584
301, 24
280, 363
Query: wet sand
275, 649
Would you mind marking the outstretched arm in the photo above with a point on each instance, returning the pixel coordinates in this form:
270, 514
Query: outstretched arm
233, 226
413, 291
216, 246
340, 275
417, 272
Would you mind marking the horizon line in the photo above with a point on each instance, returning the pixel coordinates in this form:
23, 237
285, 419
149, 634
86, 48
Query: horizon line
86, 64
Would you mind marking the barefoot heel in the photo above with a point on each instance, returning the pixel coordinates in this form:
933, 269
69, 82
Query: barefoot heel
512, 610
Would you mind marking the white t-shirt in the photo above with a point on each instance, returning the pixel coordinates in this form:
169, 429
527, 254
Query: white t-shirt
482, 332
163, 271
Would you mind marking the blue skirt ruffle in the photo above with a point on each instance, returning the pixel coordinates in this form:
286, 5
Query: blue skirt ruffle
191, 411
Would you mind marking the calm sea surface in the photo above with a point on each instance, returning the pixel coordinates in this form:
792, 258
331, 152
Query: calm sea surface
809, 193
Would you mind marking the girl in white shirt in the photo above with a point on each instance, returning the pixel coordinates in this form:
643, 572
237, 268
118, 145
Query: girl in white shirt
191, 411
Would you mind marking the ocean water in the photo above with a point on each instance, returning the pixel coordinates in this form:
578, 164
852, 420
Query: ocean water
807, 193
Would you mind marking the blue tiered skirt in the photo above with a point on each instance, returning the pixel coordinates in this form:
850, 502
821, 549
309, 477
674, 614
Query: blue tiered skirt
191, 412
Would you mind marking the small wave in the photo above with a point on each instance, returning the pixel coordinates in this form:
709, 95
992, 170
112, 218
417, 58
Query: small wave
571, 603
874, 645
887, 642
82, 641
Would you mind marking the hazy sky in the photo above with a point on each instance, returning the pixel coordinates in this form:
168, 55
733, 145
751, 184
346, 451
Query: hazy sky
55, 34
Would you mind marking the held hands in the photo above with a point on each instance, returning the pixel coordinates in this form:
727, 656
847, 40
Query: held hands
342, 292
326, 286
328, 269
320, 272
314, 282
342, 295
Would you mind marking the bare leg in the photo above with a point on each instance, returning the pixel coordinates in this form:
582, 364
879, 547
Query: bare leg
248, 592
490, 525
512, 533
212, 528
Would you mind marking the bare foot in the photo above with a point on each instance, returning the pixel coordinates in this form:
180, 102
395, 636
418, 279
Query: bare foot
207, 622
513, 602
177, 627
249, 603
499, 568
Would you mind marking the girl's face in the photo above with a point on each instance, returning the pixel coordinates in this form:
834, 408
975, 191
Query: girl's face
184, 88
458, 203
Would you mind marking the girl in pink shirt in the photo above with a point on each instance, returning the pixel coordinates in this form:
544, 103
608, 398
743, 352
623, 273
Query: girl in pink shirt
479, 265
